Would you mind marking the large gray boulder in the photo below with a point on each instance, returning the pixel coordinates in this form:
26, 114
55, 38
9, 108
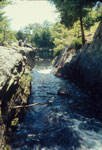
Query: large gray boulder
14, 86
29, 53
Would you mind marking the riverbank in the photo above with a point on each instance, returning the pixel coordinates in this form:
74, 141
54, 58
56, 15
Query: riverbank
15, 87
84, 69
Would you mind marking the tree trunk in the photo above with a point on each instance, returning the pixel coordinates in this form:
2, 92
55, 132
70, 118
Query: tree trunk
82, 31
4, 37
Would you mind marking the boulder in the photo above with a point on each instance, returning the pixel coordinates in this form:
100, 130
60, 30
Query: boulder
29, 53
14, 86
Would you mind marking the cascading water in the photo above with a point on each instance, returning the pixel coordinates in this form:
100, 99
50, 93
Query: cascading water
54, 126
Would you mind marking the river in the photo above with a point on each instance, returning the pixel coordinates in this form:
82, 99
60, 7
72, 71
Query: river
54, 126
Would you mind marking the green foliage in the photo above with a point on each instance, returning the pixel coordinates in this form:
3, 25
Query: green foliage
39, 36
74, 10
46, 41
57, 36
88, 22
63, 36
36, 39
57, 53
3, 3
76, 44
71, 11
20, 35
94, 16
98, 13
11, 36
6, 35
60, 35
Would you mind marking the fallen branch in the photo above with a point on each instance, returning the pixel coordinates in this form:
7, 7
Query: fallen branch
30, 105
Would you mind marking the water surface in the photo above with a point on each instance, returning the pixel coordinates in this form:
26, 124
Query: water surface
55, 126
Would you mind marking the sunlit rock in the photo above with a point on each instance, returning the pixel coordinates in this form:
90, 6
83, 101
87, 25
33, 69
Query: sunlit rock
14, 87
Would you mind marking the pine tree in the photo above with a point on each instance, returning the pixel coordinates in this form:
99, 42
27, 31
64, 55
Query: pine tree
73, 10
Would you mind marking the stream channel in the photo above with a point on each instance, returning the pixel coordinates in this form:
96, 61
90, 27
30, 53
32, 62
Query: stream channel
54, 126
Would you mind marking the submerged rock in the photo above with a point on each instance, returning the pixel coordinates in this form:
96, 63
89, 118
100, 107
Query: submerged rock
63, 92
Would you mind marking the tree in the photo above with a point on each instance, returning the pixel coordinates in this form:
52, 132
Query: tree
61, 36
43, 39
42, 36
73, 10
46, 39
3, 3
36, 40
11, 36
4, 26
20, 35
4, 22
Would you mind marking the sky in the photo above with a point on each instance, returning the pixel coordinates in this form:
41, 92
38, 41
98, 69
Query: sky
24, 12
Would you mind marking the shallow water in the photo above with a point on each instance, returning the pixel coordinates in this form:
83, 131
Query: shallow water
55, 126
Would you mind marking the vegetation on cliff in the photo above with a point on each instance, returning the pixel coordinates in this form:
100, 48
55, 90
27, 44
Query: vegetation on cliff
15, 85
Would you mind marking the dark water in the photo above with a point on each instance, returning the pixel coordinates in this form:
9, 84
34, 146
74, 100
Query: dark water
54, 126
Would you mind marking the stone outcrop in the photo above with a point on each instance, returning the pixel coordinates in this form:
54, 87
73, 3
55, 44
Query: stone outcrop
29, 54
85, 69
14, 86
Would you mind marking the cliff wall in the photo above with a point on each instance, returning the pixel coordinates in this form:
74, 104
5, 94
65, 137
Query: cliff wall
14, 87
85, 69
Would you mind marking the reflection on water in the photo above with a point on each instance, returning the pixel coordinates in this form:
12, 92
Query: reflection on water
54, 126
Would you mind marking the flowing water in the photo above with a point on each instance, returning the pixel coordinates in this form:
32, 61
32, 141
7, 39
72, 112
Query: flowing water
54, 126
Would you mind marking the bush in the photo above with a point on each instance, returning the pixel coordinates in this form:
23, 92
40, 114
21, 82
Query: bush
57, 53
77, 43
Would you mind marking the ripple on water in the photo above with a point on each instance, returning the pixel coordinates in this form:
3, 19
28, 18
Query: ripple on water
55, 126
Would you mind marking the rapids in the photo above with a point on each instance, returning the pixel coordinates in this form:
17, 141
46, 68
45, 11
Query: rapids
55, 126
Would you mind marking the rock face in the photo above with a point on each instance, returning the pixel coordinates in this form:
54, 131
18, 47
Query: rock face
29, 54
85, 69
14, 87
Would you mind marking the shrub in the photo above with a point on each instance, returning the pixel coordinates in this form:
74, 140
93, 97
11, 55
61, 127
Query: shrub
57, 53
77, 43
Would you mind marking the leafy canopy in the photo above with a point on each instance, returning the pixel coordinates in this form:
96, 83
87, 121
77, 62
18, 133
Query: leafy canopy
73, 10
